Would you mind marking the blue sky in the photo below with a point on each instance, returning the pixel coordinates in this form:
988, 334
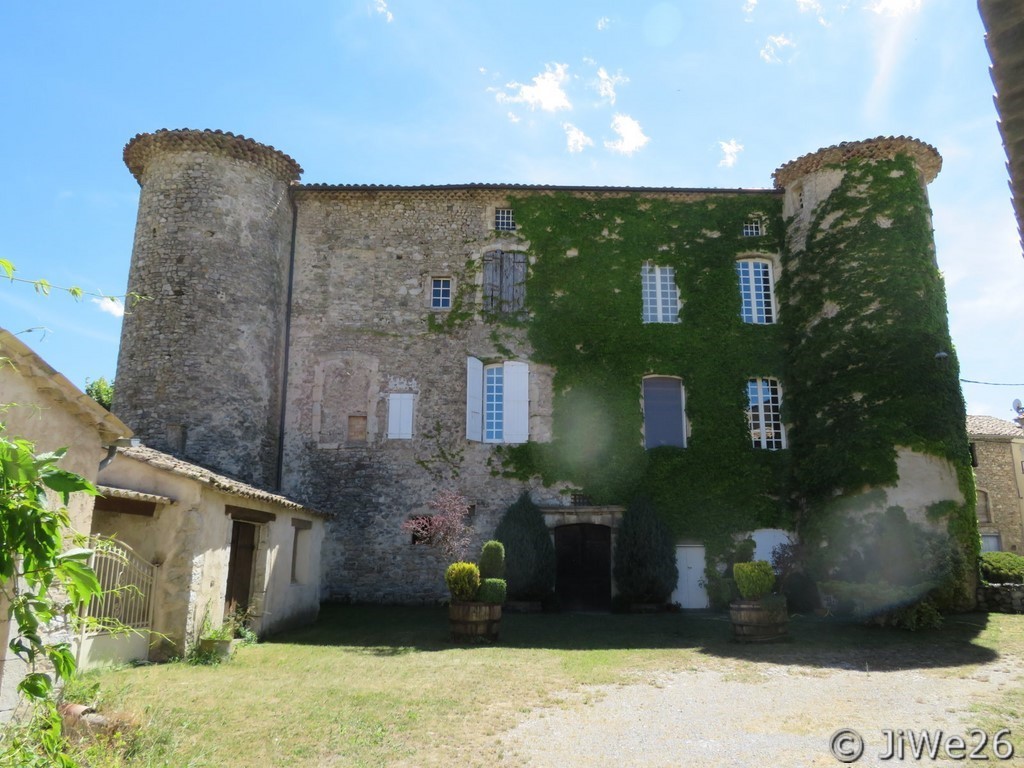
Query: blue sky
690, 93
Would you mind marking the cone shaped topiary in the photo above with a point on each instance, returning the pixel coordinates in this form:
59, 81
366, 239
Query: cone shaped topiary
529, 553
645, 556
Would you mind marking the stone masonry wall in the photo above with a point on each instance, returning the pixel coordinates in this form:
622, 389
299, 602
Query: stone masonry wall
360, 331
199, 367
996, 474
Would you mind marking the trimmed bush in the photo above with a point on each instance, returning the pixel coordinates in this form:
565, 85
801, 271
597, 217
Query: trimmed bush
754, 580
492, 560
492, 591
463, 580
645, 555
529, 553
1002, 568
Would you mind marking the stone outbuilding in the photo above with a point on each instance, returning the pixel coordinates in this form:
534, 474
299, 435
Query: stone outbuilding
217, 544
41, 405
998, 452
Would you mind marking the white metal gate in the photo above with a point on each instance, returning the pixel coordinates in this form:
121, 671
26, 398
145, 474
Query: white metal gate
127, 581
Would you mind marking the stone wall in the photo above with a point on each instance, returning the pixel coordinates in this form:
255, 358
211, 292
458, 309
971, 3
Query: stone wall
363, 329
998, 475
1001, 598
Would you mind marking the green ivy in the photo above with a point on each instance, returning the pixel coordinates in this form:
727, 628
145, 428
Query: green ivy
584, 302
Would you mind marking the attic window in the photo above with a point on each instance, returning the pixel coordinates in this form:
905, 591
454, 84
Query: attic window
752, 228
504, 220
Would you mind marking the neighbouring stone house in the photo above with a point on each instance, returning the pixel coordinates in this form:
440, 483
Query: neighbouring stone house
757, 359
216, 542
42, 406
998, 449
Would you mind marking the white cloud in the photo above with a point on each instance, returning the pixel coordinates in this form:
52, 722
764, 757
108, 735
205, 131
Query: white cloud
381, 6
110, 305
603, 23
576, 140
546, 92
749, 6
513, 117
776, 43
894, 7
631, 135
812, 6
730, 153
606, 84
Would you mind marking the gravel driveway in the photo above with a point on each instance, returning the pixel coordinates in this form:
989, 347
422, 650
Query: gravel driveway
763, 713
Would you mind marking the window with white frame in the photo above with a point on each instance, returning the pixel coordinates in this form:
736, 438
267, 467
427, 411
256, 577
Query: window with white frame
757, 293
504, 281
400, 415
504, 220
441, 293
660, 294
764, 414
497, 401
664, 404
752, 228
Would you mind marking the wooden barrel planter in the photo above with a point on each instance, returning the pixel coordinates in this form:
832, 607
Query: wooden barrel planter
756, 621
474, 622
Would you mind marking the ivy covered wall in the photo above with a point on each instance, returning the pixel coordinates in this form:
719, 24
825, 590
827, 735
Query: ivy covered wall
862, 318
584, 304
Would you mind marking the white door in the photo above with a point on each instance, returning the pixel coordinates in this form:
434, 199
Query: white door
689, 592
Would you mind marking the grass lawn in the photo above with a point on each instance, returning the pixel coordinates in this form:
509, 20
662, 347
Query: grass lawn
379, 686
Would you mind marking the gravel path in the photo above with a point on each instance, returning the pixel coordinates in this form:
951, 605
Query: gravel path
756, 714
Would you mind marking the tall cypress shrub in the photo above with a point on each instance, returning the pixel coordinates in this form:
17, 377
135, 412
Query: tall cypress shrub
529, 553
645, 555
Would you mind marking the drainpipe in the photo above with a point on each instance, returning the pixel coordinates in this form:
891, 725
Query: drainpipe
121, 442
287, 342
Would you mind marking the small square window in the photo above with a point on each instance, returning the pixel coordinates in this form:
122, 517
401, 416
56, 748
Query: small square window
504, 220
356, 429
752, 228
441, 293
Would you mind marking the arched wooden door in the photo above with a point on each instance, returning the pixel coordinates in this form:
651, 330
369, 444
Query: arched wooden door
583, 553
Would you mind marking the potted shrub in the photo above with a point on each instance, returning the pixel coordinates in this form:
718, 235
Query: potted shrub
759, 616
217, 642
475, 610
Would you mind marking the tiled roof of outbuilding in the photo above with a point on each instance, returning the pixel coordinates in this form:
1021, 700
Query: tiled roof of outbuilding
990, 426
230, 485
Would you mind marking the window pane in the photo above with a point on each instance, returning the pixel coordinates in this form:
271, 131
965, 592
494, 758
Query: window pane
659, 293
663, 412
441, 293
764, 414
757, 303
494, 403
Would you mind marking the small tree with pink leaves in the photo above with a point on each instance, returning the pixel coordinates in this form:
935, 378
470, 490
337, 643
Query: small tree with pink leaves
447, 529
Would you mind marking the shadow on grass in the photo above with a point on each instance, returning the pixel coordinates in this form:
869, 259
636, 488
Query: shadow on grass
827, 643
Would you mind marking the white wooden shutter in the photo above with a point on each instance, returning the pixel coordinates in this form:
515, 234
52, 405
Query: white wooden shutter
400, 407
474, 399
517, 402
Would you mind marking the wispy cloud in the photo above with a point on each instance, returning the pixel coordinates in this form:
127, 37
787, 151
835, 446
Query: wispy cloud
110, 305
603, 23
813, 6
546, 92
730, 153
381, 6
576, 140
606, 84
749, 6
631, 135
513, 117
776, 43
894, 8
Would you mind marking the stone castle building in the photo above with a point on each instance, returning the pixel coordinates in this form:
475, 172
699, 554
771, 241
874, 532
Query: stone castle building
747, 355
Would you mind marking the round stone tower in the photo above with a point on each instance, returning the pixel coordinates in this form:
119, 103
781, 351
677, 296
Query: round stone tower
872, 391
200, 366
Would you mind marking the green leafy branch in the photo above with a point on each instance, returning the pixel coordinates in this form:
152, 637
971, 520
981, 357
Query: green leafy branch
43, 287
